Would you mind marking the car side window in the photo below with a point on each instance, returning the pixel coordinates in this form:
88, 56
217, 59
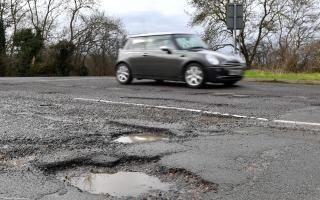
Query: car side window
155, 42
136, 43
189, 41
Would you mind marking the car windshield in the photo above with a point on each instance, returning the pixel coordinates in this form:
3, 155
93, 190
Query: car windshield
189, 41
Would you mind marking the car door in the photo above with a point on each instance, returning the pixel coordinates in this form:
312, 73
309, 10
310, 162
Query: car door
159, 63
135, 51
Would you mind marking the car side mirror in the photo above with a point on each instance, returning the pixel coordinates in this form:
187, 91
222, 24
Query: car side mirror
166, 49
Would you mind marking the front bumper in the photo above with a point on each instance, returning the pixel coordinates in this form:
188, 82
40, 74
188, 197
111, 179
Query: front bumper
221, 74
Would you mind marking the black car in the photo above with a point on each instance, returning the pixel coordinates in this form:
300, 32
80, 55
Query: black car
177, 57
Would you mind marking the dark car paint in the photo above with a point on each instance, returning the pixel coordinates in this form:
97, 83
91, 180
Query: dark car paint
162, 65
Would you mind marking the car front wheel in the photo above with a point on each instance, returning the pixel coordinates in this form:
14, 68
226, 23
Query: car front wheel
194, 76
123, 74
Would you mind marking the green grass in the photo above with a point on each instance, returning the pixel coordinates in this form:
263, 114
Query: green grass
282, 76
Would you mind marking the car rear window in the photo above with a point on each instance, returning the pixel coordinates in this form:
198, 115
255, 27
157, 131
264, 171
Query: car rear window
138, 43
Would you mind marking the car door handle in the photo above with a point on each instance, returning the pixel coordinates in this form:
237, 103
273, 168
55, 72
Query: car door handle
145, 54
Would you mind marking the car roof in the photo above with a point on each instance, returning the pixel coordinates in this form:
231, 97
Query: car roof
161, 33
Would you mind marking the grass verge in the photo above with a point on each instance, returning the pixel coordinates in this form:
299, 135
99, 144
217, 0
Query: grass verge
257, 74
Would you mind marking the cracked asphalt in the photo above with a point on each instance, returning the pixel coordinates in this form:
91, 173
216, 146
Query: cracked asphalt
51, 127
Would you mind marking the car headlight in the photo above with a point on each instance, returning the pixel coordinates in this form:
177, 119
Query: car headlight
212, 59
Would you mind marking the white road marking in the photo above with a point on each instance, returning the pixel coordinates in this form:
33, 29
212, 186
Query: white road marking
297, 123
199, 111
263, 119
239, 116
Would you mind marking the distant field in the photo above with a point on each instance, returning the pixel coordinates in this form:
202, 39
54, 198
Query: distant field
283, 76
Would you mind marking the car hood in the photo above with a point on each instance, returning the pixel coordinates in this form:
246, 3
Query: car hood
224, 57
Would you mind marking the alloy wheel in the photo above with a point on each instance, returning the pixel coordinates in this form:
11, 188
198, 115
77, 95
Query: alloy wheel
123, 74
194, 76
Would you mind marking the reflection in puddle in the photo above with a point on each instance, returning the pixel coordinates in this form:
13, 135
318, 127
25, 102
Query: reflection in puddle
121, 184
141, 138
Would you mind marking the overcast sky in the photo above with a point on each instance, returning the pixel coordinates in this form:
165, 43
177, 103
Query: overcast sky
140, 16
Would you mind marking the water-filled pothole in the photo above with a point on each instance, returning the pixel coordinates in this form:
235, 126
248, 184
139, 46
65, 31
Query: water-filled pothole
121, 184
140, 138
138, 179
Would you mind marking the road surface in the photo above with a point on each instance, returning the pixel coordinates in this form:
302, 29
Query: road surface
257, 140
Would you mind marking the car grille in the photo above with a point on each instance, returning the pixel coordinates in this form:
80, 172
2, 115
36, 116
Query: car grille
232, 64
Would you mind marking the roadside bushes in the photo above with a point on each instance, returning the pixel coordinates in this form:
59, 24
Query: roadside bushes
311, 58
29, 45
62, 53
2, 48
33, 59
3, 64
92, 50
286, 59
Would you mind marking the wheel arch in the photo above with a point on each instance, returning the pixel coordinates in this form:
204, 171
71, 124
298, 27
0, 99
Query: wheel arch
192, 62
122, 62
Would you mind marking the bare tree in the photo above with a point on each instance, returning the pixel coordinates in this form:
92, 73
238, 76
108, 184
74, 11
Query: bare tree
259, 20
3, 8
298, 25
3, 26
44, 14
93, 36
16, 14
75, 9
99, 41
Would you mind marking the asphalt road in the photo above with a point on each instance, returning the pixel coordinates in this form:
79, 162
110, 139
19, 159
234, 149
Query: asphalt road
257, 140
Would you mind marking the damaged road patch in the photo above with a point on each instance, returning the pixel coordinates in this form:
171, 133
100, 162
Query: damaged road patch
120, 184
65, 159
141, 138
136, 178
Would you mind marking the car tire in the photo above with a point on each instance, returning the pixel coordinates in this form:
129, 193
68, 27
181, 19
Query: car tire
123, 74
230, 83
195, 76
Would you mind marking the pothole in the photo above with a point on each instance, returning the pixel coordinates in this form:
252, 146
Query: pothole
141, 137
138, 179
120, 184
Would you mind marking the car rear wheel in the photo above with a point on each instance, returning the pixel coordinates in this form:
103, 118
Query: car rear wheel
194, 76
123, 74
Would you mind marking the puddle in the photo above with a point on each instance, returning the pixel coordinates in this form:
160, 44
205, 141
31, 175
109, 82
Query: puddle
121, 184
136, 138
